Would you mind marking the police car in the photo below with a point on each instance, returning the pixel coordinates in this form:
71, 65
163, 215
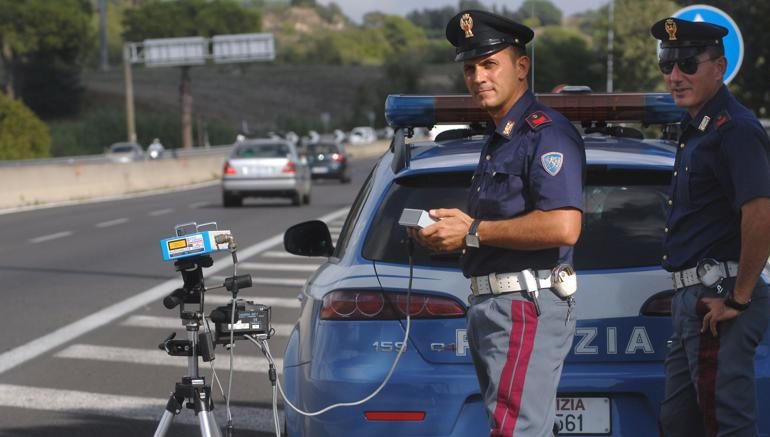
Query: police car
353, 319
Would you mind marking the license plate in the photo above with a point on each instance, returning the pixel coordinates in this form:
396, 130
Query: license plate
583, 415
317, 170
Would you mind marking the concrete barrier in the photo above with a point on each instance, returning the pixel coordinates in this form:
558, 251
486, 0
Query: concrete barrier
25, 186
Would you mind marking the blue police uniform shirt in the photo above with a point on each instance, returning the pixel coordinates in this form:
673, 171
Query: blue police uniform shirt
721, 163
535, 159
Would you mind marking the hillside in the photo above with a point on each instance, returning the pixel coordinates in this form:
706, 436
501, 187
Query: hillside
261, 94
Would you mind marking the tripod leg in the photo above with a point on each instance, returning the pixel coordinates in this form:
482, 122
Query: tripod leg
208, 423
173, 407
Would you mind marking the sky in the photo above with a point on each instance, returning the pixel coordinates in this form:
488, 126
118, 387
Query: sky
355, 9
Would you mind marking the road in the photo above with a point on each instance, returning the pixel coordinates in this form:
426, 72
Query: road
82, 313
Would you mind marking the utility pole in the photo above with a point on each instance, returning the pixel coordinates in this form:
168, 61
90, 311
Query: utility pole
129, 80
103, 60
610, 44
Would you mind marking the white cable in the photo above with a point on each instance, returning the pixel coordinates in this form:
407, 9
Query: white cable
265, 348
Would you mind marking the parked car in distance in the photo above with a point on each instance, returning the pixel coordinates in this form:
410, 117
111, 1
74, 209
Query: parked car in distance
362, 135
125, 152
265, 168
328, 160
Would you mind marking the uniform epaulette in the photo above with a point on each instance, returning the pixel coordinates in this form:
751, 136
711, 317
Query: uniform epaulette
722, 118
538, 119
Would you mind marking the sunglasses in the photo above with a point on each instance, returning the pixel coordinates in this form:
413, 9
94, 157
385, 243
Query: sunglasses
686, 65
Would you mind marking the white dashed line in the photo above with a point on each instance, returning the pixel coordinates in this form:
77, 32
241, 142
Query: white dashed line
279, 267
155, 357
280, 254
109, 223
198, 205
161, 212
50, 237
138, 321
130, 407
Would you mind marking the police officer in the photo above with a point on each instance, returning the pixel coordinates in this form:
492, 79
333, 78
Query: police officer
717, 240
525, 209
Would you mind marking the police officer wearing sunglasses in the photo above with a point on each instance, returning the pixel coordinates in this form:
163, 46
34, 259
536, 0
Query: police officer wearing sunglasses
717, 240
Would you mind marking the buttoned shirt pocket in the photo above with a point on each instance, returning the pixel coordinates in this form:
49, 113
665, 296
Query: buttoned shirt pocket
502, 193
702, 184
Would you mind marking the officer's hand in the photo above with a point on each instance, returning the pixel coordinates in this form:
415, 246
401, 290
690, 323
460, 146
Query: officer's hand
718, 312
448, 233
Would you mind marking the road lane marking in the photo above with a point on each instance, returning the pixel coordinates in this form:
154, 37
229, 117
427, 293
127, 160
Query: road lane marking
288, 282
124, 406
278, 267
49, 237
198, 205
109, 223
281, 302
281, 254
161, 212
282, 329
36, 347
156, 357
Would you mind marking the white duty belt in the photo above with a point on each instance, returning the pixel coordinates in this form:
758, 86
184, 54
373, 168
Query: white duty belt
688, 277
497, 283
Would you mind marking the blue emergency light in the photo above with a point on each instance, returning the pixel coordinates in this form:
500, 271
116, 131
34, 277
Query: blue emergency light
406, 111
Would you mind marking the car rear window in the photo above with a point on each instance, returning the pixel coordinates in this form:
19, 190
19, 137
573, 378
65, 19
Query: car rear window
625, 214
387, 240
123, 149
261, 151
321, 148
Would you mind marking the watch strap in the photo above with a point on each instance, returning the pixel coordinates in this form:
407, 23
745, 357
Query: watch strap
730, 302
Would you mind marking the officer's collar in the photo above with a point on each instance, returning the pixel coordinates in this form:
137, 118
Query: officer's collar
707, 115
515, 115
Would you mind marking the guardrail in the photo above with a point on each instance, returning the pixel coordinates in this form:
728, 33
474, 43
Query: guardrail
103, 158
27, 183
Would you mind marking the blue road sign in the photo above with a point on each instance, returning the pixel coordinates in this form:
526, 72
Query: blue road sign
733, 42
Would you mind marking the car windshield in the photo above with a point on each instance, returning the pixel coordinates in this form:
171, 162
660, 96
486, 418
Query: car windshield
622, 225
123, 148
261, 151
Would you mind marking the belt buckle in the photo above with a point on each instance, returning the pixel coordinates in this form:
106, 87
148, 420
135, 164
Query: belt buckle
494, 284
710, 272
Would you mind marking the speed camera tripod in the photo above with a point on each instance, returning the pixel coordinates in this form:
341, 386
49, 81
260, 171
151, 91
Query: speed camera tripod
192, 391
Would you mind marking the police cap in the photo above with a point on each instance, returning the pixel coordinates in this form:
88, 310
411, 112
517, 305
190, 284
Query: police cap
680, 39
479, 33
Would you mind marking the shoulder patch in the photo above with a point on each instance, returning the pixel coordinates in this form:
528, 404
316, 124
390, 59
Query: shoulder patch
537, 119
722, 118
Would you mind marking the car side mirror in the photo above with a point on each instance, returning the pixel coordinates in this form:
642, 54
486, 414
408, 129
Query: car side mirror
310, 238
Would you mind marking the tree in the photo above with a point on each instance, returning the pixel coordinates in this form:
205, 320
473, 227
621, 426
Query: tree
563, 55
635, 60
40, 37
190, 18
751, 85
22, 134
543, 10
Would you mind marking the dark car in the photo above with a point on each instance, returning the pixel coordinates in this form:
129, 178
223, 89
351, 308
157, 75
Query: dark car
327, 160
353, 318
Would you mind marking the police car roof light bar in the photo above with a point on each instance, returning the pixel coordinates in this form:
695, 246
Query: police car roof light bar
402, 111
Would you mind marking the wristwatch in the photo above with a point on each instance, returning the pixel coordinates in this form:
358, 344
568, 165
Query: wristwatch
730, 302
472, 239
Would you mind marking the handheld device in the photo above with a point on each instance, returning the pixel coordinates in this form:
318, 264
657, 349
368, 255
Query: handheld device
415, 218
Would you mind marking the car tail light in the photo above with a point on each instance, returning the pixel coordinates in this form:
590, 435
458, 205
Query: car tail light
339, 157
658, 305
375, 305
229, 169
289, 168
394, 416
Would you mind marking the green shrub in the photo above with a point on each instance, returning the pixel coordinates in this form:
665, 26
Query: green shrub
22, 134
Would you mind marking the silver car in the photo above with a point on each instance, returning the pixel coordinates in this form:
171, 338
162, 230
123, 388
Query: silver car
265, 168
125, 152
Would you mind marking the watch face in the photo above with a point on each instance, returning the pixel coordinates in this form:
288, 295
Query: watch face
472, 240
